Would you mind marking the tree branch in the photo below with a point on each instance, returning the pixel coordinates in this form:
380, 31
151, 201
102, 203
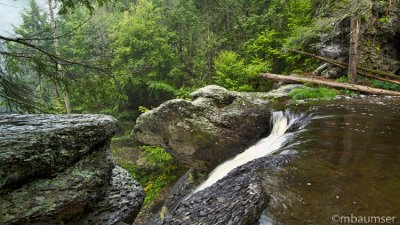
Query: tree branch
51, 56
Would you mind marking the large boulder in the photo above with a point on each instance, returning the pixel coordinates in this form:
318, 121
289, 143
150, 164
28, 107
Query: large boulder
38, 146
58, 169
216, 125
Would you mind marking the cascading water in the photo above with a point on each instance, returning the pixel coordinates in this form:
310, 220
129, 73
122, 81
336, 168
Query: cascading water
281, 122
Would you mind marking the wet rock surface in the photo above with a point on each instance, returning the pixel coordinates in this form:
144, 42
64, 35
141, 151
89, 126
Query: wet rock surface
121, 203
216, 125
42, 145
57, 169
238, 198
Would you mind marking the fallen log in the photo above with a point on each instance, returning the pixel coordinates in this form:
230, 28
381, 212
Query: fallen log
354, 87
345, 65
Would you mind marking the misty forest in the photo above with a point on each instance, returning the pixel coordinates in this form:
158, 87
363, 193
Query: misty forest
207, 112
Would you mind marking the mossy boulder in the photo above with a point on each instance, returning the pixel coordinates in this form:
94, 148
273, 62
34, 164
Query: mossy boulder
215, 125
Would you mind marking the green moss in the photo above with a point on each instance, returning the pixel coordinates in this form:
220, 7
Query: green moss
313, 93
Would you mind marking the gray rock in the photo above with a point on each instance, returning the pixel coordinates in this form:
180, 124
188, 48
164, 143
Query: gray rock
284, 90
332, 72
62, 198
281, 92
35, 146
121, 203
58, 169
183, 188
213, 127
238, 198
378, 48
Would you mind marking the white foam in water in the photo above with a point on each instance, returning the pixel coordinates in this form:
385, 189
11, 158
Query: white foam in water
262, 148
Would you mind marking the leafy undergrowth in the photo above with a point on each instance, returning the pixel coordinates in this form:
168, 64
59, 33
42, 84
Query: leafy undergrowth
313, 93
384, 85
373, 83
153, 167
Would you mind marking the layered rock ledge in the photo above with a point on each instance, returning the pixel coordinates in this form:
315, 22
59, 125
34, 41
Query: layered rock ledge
57, 169
238, 198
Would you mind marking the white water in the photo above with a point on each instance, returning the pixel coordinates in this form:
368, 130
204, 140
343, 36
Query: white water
262, 148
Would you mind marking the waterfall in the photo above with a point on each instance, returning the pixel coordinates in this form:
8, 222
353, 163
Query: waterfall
281, 122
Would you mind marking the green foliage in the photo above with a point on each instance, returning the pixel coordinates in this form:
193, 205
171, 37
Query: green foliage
143, 109
349, 93
384, 19
160, 169
384, 85
156, 50
343, 79
154, 186
143, 59
232, 73
312, 93
157, 157
67, 5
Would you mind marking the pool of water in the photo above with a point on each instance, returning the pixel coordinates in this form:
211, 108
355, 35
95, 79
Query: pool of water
348, 164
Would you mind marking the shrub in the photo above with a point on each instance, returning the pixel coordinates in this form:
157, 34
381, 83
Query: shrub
385, 85
308, 93
156, 157
343, 79
234, 74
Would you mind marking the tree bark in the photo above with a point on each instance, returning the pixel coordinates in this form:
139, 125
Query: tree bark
57, 53
354, 87
354, 41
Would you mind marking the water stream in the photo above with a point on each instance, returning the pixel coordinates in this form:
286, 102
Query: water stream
348, 165
280, 122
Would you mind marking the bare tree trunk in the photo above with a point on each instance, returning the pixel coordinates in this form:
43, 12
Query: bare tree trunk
354, 87
389, 7
1, 211
354, 41
57, 52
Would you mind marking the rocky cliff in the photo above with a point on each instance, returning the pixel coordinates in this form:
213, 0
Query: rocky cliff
57, 169
379, 46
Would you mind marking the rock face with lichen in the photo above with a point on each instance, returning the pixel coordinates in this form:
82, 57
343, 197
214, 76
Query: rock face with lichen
214, 126
57, 169
379, 46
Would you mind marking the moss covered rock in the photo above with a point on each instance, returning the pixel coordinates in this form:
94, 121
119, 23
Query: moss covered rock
216, 125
